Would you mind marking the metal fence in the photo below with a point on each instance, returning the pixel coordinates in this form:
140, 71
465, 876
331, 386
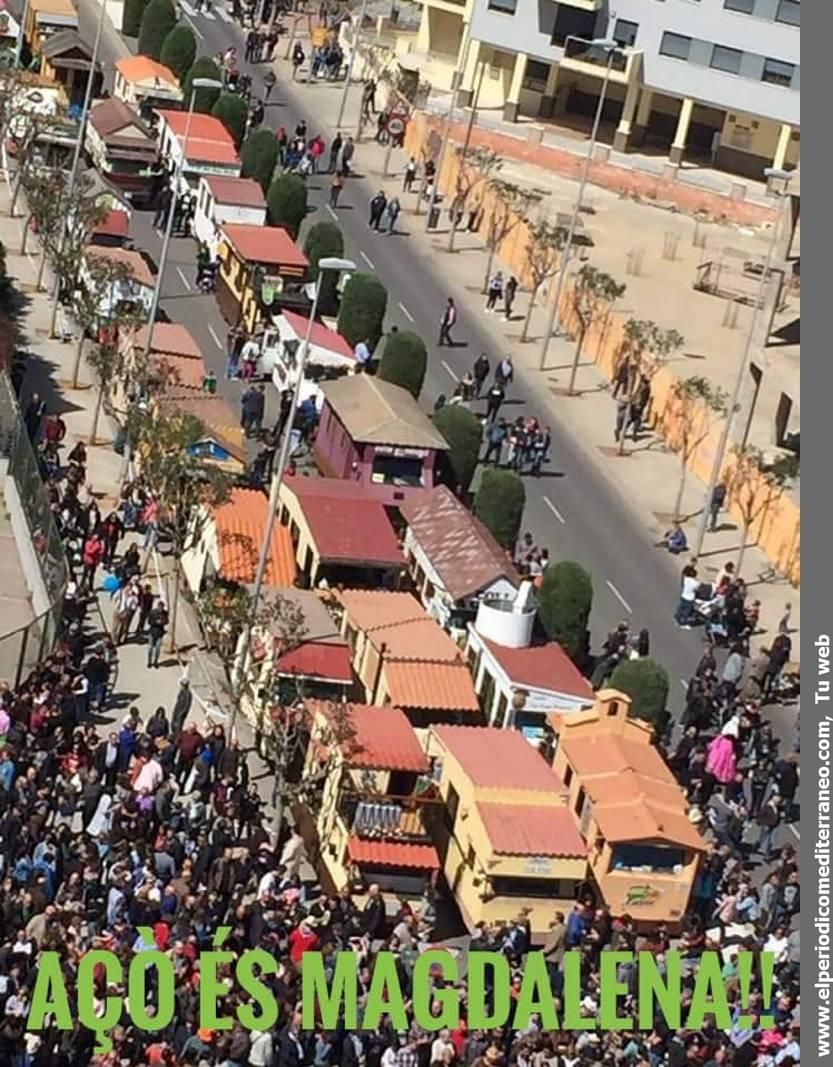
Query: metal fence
21, 649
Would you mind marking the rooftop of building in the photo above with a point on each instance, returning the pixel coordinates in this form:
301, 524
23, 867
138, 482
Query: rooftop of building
270, 245
241, 525
498, 759
380, 413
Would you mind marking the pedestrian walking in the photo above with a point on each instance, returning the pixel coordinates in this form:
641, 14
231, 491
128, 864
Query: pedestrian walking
480, 373
157, 627
509, 292
496, 432
392, 213
494, 291
494, 401
409, 175
377, 210
447, 321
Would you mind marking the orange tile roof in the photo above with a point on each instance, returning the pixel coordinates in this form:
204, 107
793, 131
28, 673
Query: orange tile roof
382, 738
241, 525
640, 819
208, 139
393, 854
609, 754
264, 244
134, 262
179, 371
498, 759
171, 338
141, 68
398, 621
546, 667
433, 686
610, 787
212, 411
532, 830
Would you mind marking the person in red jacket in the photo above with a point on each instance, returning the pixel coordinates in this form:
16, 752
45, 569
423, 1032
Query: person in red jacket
302, 940
91, 555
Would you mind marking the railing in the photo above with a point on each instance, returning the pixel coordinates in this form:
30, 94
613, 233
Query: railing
392, 818
22, 649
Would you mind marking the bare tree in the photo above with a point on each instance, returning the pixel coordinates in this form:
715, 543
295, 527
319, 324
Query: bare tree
544, 248
475, 168
96, 303
698, 404
755, 486
645, 348
591, 295
109, 361
510, 207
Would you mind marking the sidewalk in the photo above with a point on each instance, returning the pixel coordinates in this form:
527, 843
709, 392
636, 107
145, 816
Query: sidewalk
648, 475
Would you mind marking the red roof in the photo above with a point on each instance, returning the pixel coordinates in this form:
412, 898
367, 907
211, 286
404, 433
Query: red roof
532, 830
321, 336
393, 854
498, 759
114, 224
241, 192
383, 739
265, 244
351, 531
321, 660
208, 139
542, 667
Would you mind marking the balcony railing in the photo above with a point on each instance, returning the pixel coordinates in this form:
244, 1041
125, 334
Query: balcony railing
582, 51
392, 818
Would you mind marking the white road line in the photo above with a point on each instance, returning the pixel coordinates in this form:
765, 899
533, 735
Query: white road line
684, 684
186, 7
619, 596
194, 27
185, 281
792, 827
367, 260
554, 510
405, 312
213, 333
450, 371
330, 209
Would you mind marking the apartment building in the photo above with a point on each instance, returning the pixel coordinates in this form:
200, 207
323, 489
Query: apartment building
716, 81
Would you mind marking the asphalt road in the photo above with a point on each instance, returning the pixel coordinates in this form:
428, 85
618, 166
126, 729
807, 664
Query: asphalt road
573, 509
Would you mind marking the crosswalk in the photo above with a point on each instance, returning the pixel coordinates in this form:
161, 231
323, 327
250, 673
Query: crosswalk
211, 14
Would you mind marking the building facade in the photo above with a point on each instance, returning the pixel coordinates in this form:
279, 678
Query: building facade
715, 81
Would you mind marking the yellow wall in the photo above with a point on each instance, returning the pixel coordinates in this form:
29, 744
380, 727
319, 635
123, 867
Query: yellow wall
777, 529
760, 139
293, 513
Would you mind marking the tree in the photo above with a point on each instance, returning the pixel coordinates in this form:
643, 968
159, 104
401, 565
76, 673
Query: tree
259, 156
286, 202
565, 600
475, 168
509, 209
188, 490
179, 50
204, 99
698, 403
544, 248
232, 110
754, 486
158, 19
591, 293
131, 19
324, 239
499, 504
361, 315
645, 348
404, 361
102, 279
462, 429
646, 683
107, 358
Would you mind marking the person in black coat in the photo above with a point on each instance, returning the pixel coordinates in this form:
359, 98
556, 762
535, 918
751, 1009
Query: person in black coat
374, 917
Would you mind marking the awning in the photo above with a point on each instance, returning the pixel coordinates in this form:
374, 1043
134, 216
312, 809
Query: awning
393, 854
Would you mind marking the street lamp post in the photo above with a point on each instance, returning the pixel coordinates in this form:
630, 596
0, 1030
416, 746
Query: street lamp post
611, 48
357, 33
76, 155
760, 298
328, 263
18, 48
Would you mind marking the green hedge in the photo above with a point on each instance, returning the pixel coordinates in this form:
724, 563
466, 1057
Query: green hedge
462, 429
158, 20
361, 316
286, 202
499, 504
179, 50
404, 361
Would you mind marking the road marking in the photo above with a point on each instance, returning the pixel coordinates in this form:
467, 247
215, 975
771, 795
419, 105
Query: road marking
619, 597
186, 7
555, 510
405, 312
213, 333
330, 209
224, 15
208, 15
367, 260
194, 27
450, 371
185, 281
684, 684
792, 827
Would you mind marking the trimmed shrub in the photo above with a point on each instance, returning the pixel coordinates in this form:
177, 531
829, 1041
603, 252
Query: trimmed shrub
259, 156
646, 683
205, 99
131, 19
361, 315
232, 111
179, 50
462, 429
158, 19
565, 598
324, 239
404, 361
499, 504
286, 202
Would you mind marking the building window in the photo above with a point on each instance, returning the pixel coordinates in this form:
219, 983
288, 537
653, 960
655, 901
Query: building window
789, 11
675, 46
536, 75
613, 708
573, 22
500, 713
568, 776
624, 33
579, 804
726, 59
778, 73
505, 7
744, 7
452, 805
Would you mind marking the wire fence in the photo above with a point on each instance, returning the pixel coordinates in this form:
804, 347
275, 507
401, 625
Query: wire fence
22, 648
